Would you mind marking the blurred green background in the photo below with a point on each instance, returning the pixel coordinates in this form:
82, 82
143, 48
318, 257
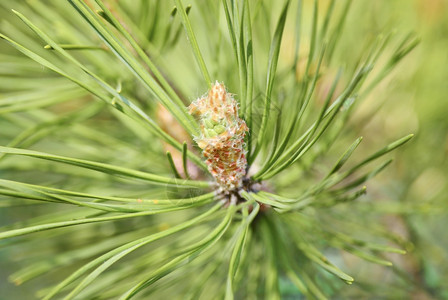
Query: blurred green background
412, 99
412, 193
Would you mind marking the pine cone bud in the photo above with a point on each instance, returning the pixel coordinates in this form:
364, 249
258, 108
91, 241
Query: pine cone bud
222, 137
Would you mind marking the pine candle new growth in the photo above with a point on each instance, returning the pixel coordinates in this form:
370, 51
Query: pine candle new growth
222, 137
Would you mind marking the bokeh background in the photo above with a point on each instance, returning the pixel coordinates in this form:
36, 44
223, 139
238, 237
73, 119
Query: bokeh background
413, 99
416, 101
411, 195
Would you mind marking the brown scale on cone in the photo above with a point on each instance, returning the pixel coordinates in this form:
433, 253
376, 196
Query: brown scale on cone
222, 137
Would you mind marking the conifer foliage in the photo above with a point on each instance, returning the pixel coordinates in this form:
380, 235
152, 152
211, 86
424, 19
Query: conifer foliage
129, 185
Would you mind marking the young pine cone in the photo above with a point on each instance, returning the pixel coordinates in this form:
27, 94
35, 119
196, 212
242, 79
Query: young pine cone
222, 137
